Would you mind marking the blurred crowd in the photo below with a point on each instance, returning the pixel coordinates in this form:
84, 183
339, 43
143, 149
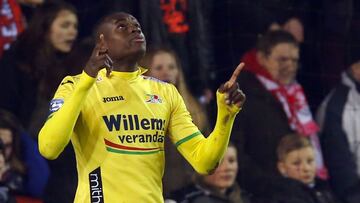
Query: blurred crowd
296, 140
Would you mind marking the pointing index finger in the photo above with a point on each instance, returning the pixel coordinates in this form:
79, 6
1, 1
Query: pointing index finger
235, 75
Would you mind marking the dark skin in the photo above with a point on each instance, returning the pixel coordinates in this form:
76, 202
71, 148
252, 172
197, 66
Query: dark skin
121, 44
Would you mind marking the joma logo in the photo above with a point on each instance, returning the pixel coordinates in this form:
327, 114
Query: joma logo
112, 99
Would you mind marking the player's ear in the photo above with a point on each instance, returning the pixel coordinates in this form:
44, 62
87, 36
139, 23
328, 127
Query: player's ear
102, 41
281, 168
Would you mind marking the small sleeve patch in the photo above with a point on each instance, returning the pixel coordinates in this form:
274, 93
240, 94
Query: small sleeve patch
55, 105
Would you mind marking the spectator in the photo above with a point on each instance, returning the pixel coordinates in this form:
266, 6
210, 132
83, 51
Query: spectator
294, 26
296, 161
339, 115
63, 169
12, 21
22, 156
219, 187
33, 64
11, 150
10, 181
272, 91
164, 64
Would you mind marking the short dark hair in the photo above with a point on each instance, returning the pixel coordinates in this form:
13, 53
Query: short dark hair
272, 38
98, 26
291, 143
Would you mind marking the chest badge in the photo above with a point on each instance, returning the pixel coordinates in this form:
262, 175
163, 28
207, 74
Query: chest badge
153, 98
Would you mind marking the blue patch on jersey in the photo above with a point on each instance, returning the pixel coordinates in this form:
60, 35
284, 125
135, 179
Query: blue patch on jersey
55, 105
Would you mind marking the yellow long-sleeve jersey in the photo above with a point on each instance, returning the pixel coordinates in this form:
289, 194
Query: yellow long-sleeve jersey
117, 127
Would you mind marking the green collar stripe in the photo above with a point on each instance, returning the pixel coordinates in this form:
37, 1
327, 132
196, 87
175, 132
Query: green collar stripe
187, 138
130, 152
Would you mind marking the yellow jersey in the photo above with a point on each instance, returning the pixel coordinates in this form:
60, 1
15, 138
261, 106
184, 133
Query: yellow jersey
119, 135
117, 126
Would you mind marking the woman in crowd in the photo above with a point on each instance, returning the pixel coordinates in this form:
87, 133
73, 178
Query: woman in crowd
163, 64
219, 187
10, 180
29, 171
32, 68
12, 168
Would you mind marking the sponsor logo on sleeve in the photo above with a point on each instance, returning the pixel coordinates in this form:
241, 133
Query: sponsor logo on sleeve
55, 105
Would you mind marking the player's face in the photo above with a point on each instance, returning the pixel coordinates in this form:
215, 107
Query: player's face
7, 139
299, 165
164, 67
282, 62
124, 37
225, 175
63, 31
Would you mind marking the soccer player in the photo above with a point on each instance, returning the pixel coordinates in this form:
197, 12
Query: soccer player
116, 119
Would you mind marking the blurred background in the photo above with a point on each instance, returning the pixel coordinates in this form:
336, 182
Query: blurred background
42, 41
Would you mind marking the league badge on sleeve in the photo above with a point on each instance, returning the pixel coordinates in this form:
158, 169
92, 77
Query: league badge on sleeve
55, 105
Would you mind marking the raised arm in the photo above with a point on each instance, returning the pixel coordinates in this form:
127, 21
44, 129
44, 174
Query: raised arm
204, 154
67, 103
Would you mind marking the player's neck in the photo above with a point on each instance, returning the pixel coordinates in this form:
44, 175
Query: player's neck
125, 66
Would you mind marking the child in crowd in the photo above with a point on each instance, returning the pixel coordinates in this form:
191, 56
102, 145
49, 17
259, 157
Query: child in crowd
296, 161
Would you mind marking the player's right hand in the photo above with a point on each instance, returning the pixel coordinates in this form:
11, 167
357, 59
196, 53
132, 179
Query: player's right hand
99, 59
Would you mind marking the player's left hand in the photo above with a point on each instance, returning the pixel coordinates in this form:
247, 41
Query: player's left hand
233, 94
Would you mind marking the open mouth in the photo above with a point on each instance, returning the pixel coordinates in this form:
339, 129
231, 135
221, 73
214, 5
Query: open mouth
69, 42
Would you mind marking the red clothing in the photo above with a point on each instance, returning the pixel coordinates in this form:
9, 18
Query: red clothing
11, 23
294, 103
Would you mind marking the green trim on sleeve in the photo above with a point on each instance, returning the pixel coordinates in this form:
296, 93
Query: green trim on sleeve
187, 138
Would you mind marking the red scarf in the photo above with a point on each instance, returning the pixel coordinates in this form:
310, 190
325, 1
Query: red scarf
294, 103
11, 23
291, 97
